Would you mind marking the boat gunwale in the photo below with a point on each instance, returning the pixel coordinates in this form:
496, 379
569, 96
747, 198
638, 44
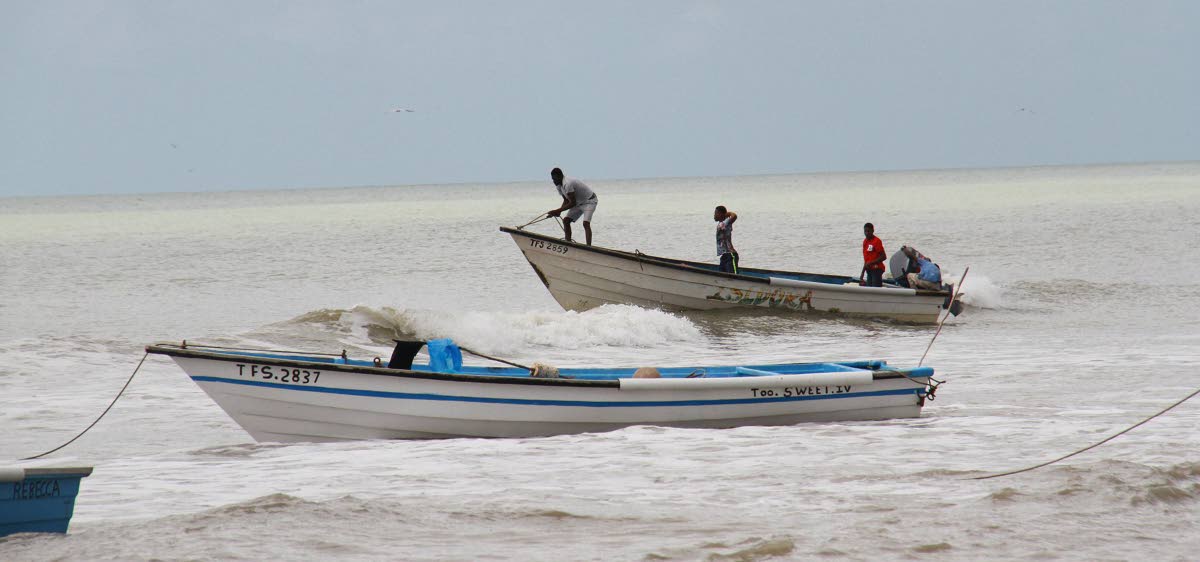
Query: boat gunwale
686, 265
65, 471
176, 350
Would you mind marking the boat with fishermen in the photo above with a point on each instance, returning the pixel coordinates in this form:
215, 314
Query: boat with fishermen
581, 277
38, 499
289, 396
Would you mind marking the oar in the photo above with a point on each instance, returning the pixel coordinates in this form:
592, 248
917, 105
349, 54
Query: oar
532, 370
496, 359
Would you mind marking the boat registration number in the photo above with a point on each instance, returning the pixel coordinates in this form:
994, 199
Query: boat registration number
790, 391
548, 246
276, 373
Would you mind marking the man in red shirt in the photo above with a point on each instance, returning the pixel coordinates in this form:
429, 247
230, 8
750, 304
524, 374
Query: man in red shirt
873, 256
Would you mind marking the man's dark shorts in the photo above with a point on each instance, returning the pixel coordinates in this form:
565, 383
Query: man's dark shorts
729, 262
874, 277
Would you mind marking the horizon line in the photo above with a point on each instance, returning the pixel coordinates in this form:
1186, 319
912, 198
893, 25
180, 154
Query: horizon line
607, 179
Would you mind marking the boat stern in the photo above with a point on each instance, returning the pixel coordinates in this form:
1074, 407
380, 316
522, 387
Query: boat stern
38, 500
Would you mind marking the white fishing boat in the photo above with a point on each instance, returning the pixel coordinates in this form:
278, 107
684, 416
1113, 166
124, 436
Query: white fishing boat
582, 277
294, 396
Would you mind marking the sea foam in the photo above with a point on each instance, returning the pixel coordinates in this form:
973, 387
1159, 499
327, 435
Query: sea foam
978, 291
497, 332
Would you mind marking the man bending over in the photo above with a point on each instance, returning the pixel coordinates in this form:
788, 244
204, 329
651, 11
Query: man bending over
928, 275
578, 200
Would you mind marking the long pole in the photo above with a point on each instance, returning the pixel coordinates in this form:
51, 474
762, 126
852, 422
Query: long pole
496, 359
953, 298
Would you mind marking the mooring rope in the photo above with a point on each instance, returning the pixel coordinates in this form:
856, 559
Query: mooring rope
1093, 446
110, 405
535, 220
543, 217
931, 387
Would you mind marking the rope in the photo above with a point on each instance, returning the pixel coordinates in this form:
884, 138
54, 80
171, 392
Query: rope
932, 386
1090, 447
110, 405
640, 255
953, 297
543, 217
535, 220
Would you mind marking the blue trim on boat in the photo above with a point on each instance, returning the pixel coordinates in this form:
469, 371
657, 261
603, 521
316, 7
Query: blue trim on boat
533, 402
601, 374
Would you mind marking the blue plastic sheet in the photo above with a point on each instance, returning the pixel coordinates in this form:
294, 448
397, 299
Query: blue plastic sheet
444, 356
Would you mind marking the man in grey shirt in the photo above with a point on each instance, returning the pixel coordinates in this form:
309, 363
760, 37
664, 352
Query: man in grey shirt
578, 200
725, 250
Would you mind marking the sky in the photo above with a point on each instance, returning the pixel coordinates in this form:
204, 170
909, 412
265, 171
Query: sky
166, 96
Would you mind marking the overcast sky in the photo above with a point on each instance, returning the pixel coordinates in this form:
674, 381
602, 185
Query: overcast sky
119, 96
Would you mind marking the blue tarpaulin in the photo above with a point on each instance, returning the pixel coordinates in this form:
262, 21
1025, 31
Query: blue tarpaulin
444, 356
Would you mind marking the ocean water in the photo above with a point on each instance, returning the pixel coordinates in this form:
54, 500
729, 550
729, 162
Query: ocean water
1085, 291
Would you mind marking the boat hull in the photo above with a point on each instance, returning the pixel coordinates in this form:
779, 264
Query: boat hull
581, 277
348, 402
38, 500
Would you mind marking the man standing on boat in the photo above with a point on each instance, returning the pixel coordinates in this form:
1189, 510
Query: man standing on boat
578, 200
873, 256
725, 251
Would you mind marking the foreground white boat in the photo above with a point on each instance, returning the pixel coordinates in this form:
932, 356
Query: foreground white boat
582, 277
291, 396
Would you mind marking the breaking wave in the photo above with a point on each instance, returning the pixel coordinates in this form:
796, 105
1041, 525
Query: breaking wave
753, 548
979, 291
1178, 483
497, 332
1134, 483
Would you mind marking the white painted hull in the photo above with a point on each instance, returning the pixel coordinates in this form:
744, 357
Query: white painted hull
349, 402
581, 277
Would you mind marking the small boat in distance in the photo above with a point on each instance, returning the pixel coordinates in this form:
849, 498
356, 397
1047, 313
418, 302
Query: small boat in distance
38, 500
295, 396
582, 277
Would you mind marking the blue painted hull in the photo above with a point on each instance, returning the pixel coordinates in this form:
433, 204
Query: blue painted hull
41, 502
